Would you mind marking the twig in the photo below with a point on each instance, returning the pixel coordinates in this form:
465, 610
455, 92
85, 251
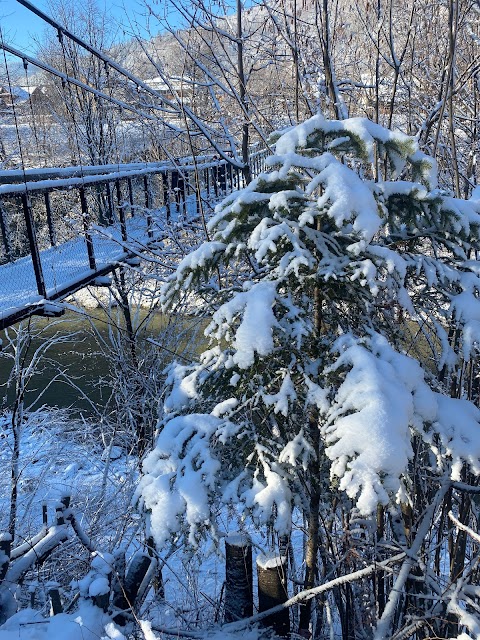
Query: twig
464, 527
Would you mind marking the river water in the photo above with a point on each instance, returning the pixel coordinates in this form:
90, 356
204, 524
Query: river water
83, 360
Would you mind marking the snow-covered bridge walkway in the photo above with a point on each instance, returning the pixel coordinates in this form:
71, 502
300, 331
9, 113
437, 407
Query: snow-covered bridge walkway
63, 229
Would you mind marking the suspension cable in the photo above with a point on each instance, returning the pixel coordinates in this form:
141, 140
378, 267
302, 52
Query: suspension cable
34, 126
14, 111
59, 74
202, 129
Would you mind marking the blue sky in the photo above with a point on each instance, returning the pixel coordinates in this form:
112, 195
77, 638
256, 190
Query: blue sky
20, 27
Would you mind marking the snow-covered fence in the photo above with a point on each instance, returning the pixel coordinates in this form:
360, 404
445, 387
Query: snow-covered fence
108, 584
63, 228
16, 562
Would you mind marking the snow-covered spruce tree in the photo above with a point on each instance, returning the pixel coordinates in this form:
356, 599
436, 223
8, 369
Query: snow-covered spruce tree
315, 278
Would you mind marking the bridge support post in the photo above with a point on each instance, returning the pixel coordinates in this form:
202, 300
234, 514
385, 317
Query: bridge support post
130, 196
88, 237
111, 212
121, 211
48, 209
5, 236
32, 240
148, 204
206, 179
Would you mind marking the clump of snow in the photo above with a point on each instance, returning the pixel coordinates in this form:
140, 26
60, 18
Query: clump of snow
146, 627
270, 560
97, 580
99, 586
183, 387
103, 562
457, 424
197, 259
255, 331
270, 494
238, 539
224, 407
87, 623
363, 129
348, 197
281, 400
180, 473
298, 450
368, 428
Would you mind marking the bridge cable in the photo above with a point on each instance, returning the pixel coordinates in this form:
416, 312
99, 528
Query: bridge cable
99, 54
70, 104
83, 199
201, 128
65, 78
59, 74
26, 203
14, 111
34, 126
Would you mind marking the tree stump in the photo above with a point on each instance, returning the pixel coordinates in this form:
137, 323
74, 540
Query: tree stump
56, 607
5, 550
272, 591
238, 577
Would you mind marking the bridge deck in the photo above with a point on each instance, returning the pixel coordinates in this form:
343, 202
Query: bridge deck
65, 269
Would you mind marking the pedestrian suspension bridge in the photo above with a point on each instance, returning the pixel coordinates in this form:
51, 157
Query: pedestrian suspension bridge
65, 228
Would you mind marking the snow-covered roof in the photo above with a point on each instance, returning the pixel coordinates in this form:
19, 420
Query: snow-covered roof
159, 84
16, 92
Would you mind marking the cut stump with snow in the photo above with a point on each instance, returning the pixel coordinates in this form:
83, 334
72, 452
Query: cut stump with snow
272, 591
238, 577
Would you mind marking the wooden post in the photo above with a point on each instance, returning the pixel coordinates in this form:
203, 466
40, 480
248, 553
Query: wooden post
238, 578
56, 606
272, 591
5, 551
119, 600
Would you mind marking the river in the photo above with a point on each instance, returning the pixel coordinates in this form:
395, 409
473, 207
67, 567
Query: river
81, 358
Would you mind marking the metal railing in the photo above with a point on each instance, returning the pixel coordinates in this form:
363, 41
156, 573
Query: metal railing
63, 228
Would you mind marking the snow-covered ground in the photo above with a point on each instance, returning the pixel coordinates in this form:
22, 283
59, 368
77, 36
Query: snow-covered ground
60, 456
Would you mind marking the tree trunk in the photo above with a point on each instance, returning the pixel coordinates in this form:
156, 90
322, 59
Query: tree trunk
243, 97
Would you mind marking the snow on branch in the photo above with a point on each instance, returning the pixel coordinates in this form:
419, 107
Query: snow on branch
382, 400
255, 331
181, 473
367, 429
